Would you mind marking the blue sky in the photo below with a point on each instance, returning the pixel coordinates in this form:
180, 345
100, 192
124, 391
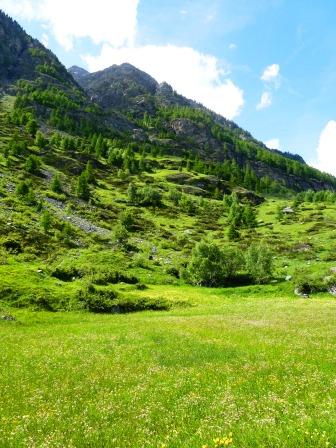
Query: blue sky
270, 65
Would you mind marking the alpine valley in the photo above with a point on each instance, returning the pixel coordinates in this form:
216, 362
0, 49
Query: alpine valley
166, 280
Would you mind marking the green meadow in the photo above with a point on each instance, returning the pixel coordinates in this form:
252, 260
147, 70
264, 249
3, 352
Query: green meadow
252, 361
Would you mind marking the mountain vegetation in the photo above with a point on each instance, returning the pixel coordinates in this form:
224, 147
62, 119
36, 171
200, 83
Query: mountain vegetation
119, 195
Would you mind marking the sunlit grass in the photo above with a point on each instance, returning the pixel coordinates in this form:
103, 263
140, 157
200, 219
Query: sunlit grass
242, 361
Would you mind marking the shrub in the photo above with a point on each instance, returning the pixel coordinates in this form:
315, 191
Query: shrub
127, 219
12, 245
309, 283
259, 262
150, 196
113, 277
97, 301
46, 221
108, 301
129, 305
66, 273
83, 189
121, 234
22, 189
212, 266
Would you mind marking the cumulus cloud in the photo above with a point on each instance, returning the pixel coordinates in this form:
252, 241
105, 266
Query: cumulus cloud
113, 25
111, 21
191, 73
326, 150
271, 73
23, 8
45, 39
265, 101
274, 143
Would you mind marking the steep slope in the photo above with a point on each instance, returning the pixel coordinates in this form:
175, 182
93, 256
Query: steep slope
22, 57
129, 89
183, 126
126, 103
45, 89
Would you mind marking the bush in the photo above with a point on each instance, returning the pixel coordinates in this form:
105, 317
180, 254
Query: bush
212, 266
121, 234
113, 277
129, 305
108, 301
66, 273
127, 219
259, 262
97, 301
309, 283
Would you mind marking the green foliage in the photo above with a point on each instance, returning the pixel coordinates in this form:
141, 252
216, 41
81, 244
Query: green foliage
32, 164
259, 262
121, 234
210, 265
56, 185
89, 172
22, 189
146, 196
106, 300
233, 233
98, 300
83, 188
127, 219
40, 140
31, 127
46, 221
132, 194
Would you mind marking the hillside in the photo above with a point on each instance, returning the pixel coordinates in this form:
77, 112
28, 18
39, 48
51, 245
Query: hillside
114, 163
167, 281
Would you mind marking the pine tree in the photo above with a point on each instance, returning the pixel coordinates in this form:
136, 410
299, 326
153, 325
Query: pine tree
233, 234
31, 126
46, 221
132, 194
89, 172
56, 185
249, 217
32, 164
40, 141
83, 189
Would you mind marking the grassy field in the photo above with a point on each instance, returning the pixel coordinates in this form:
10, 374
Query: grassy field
243, 361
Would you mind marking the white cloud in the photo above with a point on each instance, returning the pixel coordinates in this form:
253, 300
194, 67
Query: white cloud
274, 143
271, 73
232, 46
193, 74
111, 21
45, 39
265, 101
113, 24
326, 150
23, 8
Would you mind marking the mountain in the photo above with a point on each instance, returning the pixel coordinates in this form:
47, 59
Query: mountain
22, 57
127, 88
126, 103
162, 116
113, 178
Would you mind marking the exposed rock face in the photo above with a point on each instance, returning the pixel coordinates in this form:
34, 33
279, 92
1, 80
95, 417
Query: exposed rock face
120, 86
78, 72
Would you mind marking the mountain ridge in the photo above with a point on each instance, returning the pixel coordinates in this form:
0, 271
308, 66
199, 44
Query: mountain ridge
164, 92
124, 102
